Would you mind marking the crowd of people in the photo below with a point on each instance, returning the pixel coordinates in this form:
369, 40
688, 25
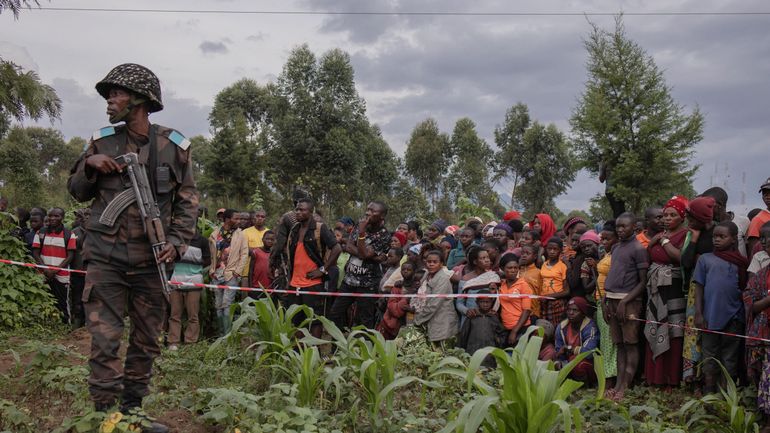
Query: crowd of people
636, 288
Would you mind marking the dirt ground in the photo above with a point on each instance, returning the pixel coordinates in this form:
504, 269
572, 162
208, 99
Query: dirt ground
50, 413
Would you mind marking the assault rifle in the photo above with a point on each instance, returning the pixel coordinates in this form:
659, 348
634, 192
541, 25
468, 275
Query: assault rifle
141, 193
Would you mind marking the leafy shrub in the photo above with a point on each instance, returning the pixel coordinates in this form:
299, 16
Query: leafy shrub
14, 419
274, 411
24, 300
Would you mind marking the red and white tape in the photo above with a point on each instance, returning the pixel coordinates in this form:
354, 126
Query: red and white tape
360, 295
303, 292
708, 331
35, 265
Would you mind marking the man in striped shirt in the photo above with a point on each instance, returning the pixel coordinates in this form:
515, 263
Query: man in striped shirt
54, 245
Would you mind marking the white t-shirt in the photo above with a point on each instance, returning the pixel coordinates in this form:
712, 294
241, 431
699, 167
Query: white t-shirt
743, 228
759, 261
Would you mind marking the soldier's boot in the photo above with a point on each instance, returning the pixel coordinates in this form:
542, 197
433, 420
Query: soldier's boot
130, 402
104, 406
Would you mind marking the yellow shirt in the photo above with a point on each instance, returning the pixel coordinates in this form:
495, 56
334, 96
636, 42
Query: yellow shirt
603, 268
254, 238
531, 275
553, 277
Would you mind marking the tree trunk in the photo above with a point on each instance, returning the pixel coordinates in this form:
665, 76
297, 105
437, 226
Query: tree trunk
513, 191
618, 206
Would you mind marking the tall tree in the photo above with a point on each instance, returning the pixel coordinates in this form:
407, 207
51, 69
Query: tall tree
321, 138
471, 158
22, 95
510, 161
627, 128
34, 165
427, 158
548, 170
231, 165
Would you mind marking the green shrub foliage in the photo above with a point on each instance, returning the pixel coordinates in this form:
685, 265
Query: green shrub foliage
24, 296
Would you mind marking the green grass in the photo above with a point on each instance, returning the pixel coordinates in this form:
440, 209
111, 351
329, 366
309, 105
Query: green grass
287, 382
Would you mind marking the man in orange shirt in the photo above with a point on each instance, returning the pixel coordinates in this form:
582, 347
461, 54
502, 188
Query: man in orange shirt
761, 218
312, 249
653, 224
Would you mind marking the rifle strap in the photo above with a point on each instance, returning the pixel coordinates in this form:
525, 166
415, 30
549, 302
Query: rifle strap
153, 161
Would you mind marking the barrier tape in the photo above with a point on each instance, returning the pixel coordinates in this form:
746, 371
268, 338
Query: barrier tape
314, 293
35, 265
708, 331
362, 295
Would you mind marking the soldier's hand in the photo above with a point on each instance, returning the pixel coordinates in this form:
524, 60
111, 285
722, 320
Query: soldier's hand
167, 254
103, 164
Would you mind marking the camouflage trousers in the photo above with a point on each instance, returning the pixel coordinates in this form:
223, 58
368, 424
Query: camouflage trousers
110, 293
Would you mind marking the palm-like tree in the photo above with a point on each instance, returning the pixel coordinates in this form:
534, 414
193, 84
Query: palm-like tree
22, 95
15, 6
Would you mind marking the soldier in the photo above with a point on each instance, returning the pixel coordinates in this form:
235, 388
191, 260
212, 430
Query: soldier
122, 270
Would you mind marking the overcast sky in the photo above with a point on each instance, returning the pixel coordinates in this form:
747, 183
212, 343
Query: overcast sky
412, 67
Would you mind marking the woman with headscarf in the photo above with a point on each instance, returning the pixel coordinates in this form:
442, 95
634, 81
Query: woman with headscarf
698, 241
571, 226
574, 335
474, 276
665, 298
543, 223
435, 232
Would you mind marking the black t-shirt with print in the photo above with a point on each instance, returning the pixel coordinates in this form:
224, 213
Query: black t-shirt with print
367, 273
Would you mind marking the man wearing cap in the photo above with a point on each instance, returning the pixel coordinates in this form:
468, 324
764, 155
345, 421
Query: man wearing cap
759, 220
122, 270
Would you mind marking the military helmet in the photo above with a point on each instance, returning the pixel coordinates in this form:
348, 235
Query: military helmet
136, 78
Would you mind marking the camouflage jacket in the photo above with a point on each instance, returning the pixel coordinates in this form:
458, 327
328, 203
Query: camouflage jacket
125, 244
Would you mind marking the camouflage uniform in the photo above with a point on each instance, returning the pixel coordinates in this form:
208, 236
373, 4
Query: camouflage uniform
122, 274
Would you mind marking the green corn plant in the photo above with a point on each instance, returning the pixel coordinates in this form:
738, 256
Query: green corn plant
722, 412
374, 362
304, 368
266, 327
533, 398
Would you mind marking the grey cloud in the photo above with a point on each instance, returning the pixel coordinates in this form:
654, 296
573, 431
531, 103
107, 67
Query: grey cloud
257, 37
450, 67
211, 47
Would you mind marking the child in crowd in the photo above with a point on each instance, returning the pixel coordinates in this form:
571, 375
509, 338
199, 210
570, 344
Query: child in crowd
392, 264
553, 274
547, 348
574, 335
481, 330
624, 288
398, 308
531, 274
719, 279
438, 315
259, 271
533, 238
761, 258
514, 312
341, 234
589, 247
